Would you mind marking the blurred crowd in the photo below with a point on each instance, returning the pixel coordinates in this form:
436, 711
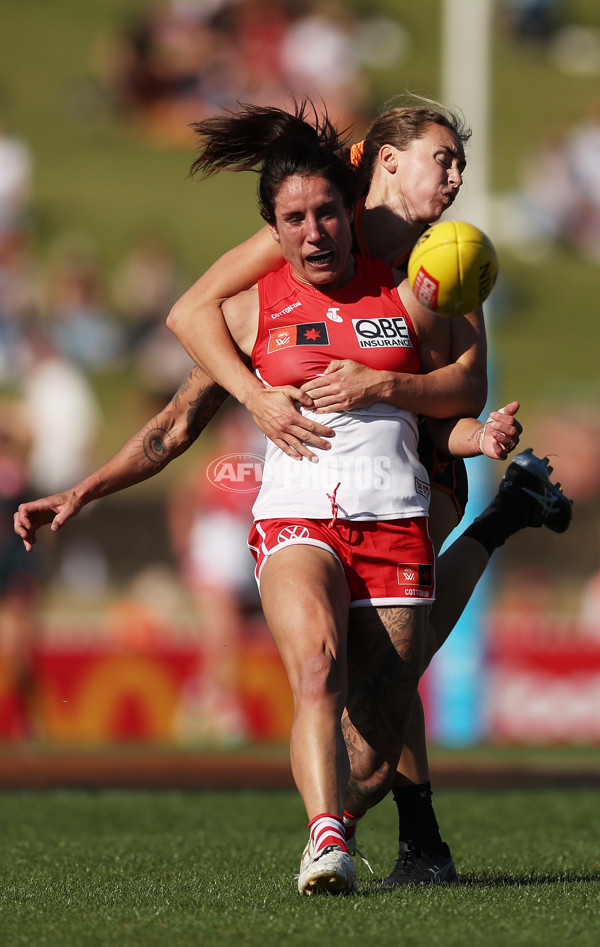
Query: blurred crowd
181, 60
559, 199
67, 322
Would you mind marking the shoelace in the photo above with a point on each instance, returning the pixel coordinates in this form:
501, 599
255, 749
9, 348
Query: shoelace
363, 858
325, 851
547, 500
354, 850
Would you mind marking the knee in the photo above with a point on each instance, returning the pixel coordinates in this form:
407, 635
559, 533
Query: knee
321, 680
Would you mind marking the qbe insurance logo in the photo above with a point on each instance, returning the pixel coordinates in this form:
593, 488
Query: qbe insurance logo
237, 473
382, 332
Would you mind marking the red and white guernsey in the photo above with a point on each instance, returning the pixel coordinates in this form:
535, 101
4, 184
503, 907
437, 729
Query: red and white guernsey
372, 470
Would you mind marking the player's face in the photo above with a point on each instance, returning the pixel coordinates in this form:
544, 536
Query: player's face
429, 174
312, 226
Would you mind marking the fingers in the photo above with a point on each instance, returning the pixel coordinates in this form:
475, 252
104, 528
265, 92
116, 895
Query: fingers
316, 388
297, 441
327, 405
502, 432
329, 396
304, 398
23, 528
511, 408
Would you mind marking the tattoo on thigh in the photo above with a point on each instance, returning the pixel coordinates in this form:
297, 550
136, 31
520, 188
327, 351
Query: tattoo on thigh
385, 657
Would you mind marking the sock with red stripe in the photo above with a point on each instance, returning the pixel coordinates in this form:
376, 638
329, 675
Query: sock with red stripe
350, 823
326, 829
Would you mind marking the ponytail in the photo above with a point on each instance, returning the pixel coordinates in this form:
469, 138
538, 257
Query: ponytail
276, 143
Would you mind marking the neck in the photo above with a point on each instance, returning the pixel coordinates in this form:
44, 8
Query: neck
387, 231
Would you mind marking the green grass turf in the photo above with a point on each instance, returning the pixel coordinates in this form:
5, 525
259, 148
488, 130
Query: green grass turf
177, 869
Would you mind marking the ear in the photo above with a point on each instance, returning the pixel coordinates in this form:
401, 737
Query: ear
388, 158
274, 233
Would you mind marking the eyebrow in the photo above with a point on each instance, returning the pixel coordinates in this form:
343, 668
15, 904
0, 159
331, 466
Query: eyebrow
453, 150
326, 206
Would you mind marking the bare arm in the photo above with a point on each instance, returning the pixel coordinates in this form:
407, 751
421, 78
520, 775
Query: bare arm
467, 437
144, 455
197, 321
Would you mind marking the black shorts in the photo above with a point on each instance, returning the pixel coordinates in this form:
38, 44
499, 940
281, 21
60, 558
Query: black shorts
446, 473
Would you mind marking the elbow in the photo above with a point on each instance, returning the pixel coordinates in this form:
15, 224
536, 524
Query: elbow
174, 319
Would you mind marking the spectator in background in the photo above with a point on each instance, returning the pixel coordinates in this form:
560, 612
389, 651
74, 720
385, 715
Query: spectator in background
210, 518
79, 321
319, 58
559, 200
63, 415
145, 285
17, 284
19, 576
583, 157
181, 62
16, 168
534, 22
550, 198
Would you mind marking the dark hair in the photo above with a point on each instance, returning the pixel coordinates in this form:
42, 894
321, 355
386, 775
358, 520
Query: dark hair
281, 143
401, 124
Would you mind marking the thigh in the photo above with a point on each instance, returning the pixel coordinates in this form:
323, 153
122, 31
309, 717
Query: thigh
386, 645
443, 517
386, 649
305, 600
449, 487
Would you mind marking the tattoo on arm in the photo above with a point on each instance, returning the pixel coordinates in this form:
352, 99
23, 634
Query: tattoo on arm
203, 409
154, 445
204, 406
476, 437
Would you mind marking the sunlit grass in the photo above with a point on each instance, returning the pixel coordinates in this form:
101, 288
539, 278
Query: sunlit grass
176, 869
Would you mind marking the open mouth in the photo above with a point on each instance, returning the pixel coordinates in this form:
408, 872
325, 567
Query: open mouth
323, 258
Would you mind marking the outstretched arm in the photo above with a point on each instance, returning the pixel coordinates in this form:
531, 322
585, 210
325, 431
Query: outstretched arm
144, 455
197, 321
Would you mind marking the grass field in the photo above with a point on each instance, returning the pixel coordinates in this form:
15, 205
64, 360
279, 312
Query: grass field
86, 870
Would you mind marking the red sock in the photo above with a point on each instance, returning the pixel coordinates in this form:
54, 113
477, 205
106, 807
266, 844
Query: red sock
350, 823
326, 829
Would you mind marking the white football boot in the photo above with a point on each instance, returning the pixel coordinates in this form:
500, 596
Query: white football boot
330, 871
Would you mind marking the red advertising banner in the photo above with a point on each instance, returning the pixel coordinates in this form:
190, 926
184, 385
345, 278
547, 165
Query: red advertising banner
543, 683
101, 695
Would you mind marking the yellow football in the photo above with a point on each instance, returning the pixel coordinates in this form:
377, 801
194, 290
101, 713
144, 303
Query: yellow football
452, 268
